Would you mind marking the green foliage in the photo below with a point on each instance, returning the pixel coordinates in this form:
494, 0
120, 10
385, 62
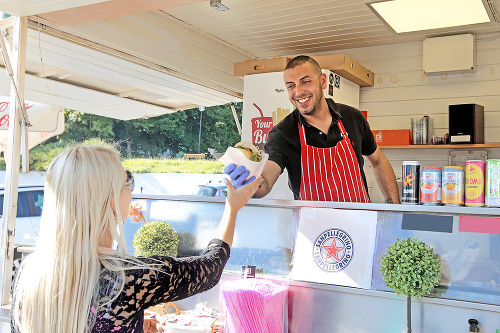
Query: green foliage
80, 126
155, 238
153, 138
41, 155
178, 132
410, 267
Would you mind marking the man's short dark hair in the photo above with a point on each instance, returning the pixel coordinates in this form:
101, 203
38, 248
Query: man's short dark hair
301, 59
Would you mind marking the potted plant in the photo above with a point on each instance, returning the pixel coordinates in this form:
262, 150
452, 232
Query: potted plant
410, 267
155, 238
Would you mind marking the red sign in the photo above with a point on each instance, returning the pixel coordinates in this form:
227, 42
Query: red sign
261, 126
4, 119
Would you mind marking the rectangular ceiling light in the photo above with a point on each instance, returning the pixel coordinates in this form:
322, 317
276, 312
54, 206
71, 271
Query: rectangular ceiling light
416, 15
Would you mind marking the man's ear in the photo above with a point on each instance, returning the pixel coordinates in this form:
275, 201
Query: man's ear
112, 204
323, 80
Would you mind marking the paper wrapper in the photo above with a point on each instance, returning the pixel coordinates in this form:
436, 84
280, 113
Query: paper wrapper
234, 155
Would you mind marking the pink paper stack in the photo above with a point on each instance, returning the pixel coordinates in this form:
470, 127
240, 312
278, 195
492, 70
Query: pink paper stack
254, 306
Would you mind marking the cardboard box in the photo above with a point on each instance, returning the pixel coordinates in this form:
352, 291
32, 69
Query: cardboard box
392, 137
276, 64
337, 63
346, 67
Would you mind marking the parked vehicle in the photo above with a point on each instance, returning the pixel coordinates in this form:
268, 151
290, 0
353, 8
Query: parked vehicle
211, 190
29, 209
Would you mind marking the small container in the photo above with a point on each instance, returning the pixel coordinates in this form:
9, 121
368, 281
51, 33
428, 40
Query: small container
452, 185
411, 180
492, 189
474, 183
473, 325
430, 186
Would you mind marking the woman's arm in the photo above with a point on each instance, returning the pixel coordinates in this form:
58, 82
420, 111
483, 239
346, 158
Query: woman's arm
236, 199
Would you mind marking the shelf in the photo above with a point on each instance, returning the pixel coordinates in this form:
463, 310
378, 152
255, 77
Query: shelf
457, 146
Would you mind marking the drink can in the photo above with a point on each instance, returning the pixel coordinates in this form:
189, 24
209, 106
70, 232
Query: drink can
411, 179
430, 186
453, 190
474, 183
492, 190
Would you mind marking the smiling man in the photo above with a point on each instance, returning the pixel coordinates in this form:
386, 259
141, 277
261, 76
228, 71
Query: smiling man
322, 144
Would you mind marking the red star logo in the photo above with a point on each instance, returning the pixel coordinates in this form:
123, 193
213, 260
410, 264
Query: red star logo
333, 250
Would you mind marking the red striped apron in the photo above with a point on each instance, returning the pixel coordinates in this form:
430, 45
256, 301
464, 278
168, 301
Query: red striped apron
330, 174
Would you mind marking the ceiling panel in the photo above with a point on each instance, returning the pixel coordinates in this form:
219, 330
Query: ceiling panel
33, 7
267, 28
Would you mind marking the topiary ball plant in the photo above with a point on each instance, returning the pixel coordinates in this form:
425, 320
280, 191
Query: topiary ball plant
155, 238
410, 267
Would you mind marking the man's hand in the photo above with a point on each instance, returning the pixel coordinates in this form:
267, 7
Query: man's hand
238, 175
151, 323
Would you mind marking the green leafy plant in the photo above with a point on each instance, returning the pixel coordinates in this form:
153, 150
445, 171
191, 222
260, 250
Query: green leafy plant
155, 238
187, 244
410, 267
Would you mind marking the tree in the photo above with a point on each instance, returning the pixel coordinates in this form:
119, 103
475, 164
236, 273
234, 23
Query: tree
174, 132
410, 267
80, 126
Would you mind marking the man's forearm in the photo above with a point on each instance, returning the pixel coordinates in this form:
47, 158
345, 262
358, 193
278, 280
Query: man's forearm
264, 188
386, 180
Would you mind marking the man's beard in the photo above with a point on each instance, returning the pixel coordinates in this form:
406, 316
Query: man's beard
314, 109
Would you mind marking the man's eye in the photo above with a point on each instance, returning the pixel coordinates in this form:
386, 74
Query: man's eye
289, 87
306, 81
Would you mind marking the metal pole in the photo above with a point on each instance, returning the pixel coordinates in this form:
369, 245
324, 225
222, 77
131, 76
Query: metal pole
236, 118
201, 108
13, 156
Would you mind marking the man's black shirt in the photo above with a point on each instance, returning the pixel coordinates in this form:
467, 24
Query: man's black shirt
283, 142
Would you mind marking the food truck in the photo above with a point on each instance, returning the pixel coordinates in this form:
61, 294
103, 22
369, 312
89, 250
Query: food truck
128, 59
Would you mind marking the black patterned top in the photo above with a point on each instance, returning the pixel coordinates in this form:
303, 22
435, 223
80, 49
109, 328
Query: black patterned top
176, 279
180, 279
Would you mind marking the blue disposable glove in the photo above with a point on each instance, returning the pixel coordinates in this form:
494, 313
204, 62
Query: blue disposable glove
238, 175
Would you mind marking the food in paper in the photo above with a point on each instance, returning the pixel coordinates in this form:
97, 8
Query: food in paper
249, 150
244, 157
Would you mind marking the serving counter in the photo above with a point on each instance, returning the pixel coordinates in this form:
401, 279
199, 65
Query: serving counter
467, 240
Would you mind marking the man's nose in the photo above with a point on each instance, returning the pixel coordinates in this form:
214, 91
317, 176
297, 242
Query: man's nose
299, 90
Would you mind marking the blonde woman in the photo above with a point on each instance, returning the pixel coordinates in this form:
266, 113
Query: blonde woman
74, 282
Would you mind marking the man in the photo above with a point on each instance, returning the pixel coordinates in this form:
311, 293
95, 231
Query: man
321, 144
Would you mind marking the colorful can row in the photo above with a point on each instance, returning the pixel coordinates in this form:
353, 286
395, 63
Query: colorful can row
478, 184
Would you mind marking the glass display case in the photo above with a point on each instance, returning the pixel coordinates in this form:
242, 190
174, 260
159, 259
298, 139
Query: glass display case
266, 231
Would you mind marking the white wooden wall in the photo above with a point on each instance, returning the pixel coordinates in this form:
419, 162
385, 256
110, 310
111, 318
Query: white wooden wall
403, 91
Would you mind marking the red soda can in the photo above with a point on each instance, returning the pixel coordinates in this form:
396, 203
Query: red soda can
430, 186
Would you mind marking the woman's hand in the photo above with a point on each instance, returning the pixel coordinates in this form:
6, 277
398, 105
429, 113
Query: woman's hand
238, 197
151, 323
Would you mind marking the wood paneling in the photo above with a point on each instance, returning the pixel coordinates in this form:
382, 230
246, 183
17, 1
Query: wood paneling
392, 103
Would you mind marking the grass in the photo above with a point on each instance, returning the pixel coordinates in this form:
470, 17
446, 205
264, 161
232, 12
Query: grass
165, 165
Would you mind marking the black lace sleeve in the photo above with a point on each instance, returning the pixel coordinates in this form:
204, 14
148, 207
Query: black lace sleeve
176, 279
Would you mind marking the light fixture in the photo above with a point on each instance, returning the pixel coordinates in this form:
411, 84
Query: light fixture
218, 6
416, 15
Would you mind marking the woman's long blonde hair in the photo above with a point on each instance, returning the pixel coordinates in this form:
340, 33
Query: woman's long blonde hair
58, 283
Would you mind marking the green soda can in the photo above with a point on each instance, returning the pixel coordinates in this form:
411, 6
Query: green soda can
492, 188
